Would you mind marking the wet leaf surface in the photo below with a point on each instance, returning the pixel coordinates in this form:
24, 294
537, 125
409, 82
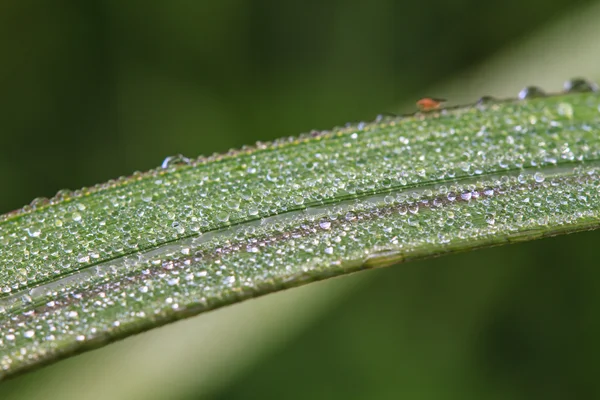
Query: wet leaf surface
92, 266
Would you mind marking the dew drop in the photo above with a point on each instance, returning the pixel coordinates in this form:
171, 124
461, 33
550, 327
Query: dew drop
531, 92
539, 177
39, 202
64, 194
34, 231
298, 200
325, 224
565, 109
233, 204
578, 85
222, 216
175, 160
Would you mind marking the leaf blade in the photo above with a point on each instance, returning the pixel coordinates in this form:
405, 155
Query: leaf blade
280, 215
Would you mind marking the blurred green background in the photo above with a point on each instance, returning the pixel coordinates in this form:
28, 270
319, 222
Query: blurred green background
93, 90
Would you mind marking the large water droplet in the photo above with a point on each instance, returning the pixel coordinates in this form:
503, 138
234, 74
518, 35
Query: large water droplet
539, 177
34, 231
175, 160
577, 85
222, 216
565, 109
39, 202
531, 92
325, 224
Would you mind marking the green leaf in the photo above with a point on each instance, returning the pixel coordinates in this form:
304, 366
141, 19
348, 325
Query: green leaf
92, 266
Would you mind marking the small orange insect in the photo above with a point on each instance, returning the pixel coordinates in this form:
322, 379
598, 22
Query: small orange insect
429, 103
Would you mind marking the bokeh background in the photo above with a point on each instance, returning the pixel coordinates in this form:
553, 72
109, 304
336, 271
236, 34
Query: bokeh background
93, 90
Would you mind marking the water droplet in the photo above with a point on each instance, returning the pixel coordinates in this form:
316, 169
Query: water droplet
233, 204
39, 202
222, 216
565, 109
578, 85
178, 227
298, 200
539, 177
34, 231
531, 92
175, 160
325, 224
64, 194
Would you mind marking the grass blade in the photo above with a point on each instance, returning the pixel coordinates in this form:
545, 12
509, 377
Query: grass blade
89, 267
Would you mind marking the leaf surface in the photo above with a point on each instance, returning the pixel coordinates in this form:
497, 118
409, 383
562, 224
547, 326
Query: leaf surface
92, 266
